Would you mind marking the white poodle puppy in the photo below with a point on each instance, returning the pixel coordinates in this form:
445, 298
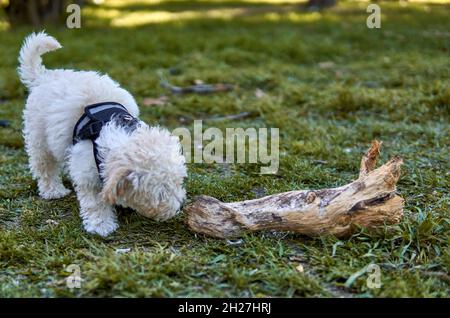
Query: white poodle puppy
132, 164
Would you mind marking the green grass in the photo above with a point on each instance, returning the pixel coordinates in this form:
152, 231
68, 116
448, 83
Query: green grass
391, 84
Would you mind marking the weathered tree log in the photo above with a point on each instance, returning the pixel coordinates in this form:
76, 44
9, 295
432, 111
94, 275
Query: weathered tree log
370, 201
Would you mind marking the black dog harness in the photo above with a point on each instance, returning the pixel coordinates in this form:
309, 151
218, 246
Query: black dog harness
95, 116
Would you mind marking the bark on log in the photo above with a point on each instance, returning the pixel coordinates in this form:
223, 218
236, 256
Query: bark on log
370, 201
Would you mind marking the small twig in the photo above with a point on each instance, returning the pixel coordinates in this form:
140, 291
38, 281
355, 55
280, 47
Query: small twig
197, 89
441, 275
230, 117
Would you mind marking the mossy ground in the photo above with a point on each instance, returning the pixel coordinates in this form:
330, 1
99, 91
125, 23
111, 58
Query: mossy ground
332, 85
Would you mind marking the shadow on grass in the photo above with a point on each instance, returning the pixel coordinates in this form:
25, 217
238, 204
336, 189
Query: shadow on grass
197, 5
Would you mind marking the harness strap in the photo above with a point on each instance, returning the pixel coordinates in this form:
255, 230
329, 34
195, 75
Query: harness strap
95, 116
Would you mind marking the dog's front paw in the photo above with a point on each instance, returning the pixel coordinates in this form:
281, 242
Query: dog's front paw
102, 228
55, 192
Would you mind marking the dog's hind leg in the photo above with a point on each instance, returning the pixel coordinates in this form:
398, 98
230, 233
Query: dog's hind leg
44, 168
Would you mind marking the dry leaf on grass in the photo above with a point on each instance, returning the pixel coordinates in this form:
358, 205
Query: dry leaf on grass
160, 101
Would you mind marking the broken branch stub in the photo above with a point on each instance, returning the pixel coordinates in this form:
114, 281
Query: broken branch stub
370, 201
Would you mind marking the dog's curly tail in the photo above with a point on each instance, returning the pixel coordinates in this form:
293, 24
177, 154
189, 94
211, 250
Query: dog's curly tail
35, 45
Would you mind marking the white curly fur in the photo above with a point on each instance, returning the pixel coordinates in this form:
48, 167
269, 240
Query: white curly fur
143, 170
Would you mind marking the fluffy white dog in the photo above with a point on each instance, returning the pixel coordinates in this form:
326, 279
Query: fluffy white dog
135, 166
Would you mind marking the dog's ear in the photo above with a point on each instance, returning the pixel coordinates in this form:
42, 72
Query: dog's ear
134, 178
115, 184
